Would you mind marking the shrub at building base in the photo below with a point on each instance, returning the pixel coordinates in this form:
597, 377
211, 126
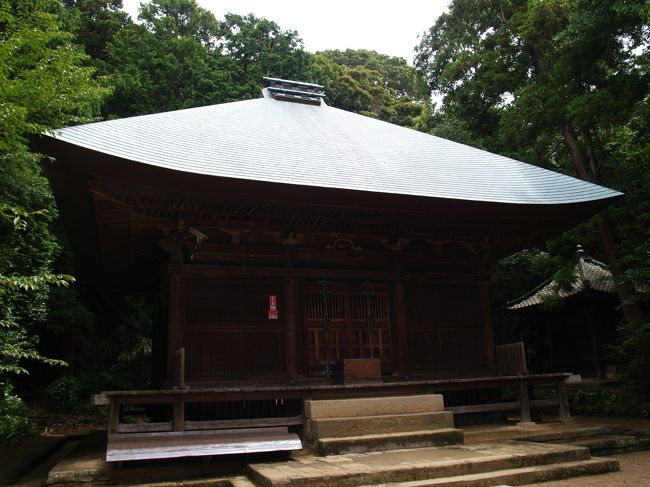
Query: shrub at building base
15, 425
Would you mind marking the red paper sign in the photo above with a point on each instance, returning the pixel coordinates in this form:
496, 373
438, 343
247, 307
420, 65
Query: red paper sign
273, 310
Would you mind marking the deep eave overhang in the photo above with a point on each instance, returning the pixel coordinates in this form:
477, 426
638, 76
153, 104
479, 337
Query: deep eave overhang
81, 165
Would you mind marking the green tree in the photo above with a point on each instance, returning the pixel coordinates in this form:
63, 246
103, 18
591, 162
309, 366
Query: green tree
371, 84
154, 72
180, 18
94, 23
395, 74
259, 47
43, 85
182, 57
545, 81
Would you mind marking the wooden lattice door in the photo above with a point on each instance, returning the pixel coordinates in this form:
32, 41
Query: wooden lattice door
345, 319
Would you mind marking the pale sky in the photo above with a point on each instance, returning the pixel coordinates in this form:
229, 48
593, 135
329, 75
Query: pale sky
391, 28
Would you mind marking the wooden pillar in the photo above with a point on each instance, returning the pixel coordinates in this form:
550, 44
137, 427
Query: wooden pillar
113, 415
291, 324
524, 403
291, 319
401, 339
174, 329
563, 399
179, 371
179, 414
486, 312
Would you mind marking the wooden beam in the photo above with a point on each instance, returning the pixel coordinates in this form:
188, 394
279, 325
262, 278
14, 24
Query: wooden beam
482, 408
244, 423
144, 427
238, 271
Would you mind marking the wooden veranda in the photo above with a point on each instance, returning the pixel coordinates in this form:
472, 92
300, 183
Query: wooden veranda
276, 413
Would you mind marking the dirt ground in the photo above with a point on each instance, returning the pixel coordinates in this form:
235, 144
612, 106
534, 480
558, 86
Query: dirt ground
635, 472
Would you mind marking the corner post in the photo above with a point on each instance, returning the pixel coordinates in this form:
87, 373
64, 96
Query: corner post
524, 404
563, 400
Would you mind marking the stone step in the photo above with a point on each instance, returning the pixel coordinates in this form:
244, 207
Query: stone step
519, 476
389, 441
611, 444
574, 433
387, 423
417, 464
373, 406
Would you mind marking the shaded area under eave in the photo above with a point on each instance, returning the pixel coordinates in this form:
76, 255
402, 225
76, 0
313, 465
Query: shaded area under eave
503, 228
295, 167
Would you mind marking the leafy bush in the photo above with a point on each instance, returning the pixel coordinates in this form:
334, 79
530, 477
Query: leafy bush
64, 394
14, 423
633, 348
606, 401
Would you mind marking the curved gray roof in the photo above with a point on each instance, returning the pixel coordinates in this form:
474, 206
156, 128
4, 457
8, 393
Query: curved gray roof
587, 273
316, 145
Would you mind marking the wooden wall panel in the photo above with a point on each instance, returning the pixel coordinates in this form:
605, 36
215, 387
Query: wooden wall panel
444, 327
227, 331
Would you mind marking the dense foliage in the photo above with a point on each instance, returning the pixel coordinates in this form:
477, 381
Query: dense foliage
561, 84
44, 85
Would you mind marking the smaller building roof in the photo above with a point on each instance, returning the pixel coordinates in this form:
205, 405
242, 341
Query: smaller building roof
588, 273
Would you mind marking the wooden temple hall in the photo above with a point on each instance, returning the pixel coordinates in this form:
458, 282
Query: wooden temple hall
300, 253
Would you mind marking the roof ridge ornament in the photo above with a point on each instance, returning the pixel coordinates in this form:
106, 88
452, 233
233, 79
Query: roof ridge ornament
296, 91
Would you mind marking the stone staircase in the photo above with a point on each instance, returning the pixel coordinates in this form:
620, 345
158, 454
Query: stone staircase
411, 441
376, 424
601, 440
511, 463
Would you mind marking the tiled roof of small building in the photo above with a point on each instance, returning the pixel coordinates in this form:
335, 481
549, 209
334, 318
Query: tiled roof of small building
588, 273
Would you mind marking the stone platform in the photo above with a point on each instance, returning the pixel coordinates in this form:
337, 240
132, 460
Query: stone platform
491, 455
512, 462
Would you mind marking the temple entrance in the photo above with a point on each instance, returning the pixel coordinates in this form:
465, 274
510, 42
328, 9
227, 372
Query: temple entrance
345, 319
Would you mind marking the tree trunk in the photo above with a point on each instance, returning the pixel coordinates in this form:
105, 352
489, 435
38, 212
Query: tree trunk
587, 169
589, 172
571, 141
